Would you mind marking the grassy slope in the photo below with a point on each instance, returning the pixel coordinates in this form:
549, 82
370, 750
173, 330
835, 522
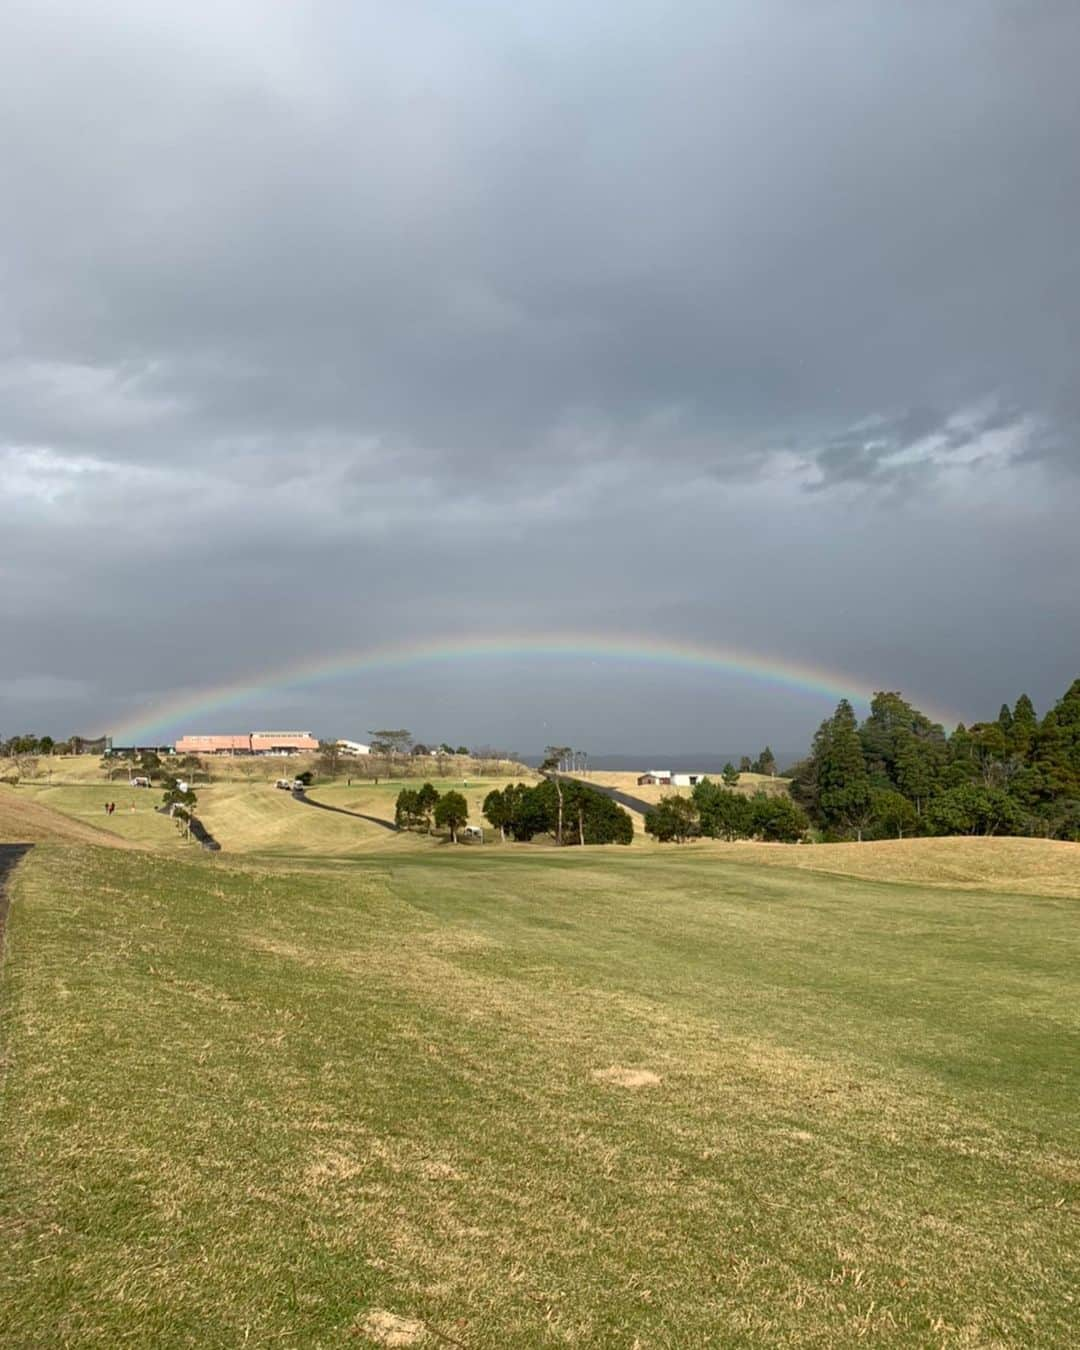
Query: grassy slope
26, 820
251, 1108
261, 820
83, 808
1040, 866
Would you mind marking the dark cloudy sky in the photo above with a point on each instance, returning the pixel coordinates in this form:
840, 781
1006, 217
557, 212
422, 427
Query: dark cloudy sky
333, 324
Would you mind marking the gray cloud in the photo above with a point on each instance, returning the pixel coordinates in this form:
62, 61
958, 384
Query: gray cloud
753, 324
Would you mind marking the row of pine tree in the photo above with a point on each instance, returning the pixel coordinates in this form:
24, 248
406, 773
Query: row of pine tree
898, 773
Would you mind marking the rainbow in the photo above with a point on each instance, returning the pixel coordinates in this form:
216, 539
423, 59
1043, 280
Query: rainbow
184, 709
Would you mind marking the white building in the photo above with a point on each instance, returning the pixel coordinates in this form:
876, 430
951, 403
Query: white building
665, 778
353, 748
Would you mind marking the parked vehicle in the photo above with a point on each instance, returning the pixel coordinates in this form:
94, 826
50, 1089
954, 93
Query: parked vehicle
140, 782
285, 784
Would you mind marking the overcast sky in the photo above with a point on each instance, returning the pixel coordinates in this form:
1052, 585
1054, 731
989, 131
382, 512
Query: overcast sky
326, 325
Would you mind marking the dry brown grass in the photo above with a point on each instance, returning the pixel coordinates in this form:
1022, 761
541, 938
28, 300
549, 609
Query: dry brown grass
1034, 866
87, 769
748, 784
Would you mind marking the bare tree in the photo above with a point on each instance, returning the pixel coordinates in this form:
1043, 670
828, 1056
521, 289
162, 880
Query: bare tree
554, 758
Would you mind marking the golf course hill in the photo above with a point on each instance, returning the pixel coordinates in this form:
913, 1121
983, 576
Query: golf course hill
343, 1085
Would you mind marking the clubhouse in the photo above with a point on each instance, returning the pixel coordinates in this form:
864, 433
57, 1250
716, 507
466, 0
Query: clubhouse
249, 743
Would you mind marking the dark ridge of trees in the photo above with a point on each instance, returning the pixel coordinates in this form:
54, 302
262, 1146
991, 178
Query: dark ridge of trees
899, 774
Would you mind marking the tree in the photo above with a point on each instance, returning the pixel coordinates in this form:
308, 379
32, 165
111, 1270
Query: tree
605, 822
893, 813
521, 811
1049, 774
149, 762
1067, 712
672, 818
328, 760
174, 795
427, 799
731, 774
462, 750
1025, 723
497, 809
598, 819
306, 778
550, 767
990, 751
406, 809
765, 762
777, 819
722, 814
389, 745
914, 773
25, 765
971, 809
803, 786
451, 813
746, 764
844, 785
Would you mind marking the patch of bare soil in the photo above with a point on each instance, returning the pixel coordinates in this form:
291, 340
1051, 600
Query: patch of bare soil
386, 1328
631, 1078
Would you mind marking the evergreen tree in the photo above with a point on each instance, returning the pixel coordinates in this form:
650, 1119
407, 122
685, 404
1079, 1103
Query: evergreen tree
427, 799
451, 812
498, 810
1025, 724
731, 774
803, 786
1049, 774
723, 814
765, 762
1067, 711
915, 773
672, 819
893, 813
777, 820
406, 809
971, 809
844, 785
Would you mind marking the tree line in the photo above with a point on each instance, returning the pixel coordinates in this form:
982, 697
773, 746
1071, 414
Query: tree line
898, 773
567, 810
420, 808
717, 812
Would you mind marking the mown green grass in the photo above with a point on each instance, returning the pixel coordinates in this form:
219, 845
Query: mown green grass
248, 1108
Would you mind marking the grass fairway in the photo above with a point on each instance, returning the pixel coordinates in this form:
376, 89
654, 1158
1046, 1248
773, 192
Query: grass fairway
513, 1097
